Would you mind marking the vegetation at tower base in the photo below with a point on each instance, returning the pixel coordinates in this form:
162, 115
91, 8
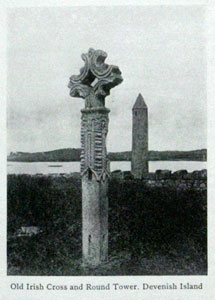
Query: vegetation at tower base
152, 230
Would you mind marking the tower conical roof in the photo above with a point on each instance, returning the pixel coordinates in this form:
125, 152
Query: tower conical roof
140, 103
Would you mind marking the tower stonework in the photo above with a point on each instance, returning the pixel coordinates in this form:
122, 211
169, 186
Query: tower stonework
139, 160
93, 84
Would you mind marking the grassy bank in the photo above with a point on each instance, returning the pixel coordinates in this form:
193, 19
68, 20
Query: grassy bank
152, 231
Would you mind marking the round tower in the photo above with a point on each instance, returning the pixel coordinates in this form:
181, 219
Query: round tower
139, 158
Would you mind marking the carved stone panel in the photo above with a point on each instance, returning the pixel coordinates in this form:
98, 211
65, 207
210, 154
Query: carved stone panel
94, 128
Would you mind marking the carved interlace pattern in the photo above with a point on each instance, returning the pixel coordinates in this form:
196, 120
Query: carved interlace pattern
95, 80
94, 130
93, 84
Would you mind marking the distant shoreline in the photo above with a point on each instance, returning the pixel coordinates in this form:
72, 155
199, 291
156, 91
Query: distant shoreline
73, 155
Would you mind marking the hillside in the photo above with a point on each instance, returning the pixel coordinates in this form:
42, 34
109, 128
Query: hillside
72, 154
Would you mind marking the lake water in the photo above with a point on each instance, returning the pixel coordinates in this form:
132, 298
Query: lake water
69, 167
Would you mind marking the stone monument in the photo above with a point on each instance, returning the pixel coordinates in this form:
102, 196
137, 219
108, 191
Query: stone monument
139, 157
93, 84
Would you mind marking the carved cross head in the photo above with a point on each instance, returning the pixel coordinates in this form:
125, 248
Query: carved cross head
95, 80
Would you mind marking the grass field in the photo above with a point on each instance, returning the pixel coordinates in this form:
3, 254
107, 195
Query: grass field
152, 231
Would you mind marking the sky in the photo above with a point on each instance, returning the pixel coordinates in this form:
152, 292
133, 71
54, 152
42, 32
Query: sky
160, 51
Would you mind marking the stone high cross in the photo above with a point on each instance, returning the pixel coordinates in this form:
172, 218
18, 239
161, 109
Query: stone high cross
93, 84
